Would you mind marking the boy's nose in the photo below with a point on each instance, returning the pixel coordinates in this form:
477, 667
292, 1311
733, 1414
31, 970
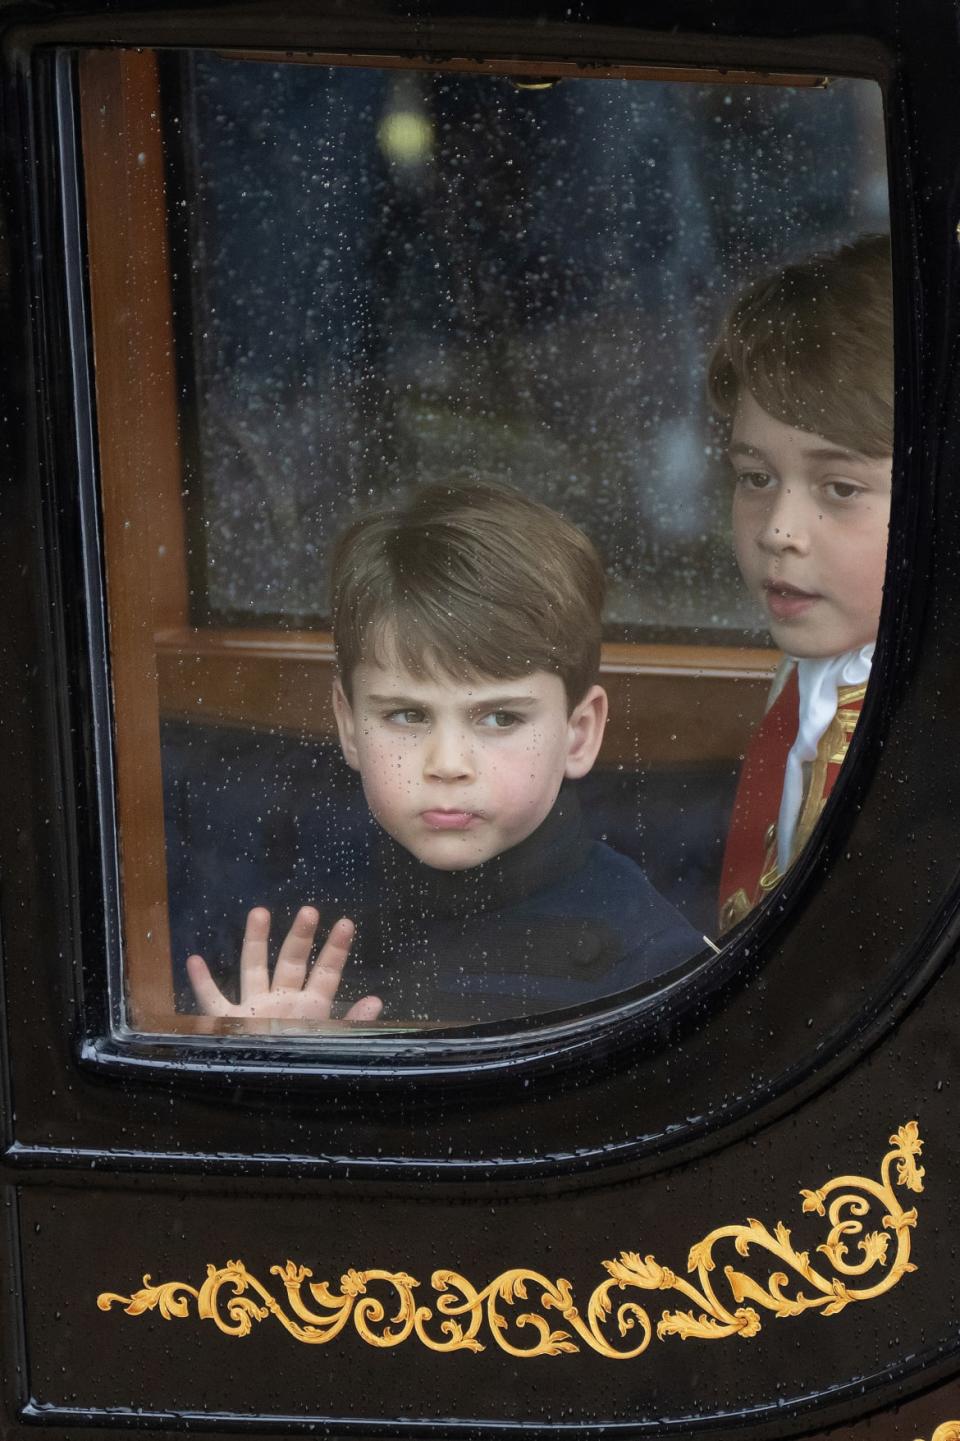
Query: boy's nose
785, 524
448, 756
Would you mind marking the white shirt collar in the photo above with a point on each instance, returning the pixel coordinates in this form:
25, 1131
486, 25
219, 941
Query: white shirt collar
818, 682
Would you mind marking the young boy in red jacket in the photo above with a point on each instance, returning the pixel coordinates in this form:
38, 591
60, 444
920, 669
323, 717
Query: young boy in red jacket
804, 373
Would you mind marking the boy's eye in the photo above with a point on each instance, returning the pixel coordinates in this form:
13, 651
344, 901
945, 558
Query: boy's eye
407, 717
755, 480
500, 720
841, 489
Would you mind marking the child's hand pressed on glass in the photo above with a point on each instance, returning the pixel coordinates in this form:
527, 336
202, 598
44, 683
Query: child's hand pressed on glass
296, 992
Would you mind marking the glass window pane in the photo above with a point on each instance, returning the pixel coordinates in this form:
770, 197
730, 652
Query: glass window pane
351, 291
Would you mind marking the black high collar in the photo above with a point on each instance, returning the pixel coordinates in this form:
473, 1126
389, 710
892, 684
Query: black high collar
551, 853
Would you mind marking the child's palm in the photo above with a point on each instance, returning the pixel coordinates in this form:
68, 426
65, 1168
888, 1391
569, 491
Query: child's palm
296, 992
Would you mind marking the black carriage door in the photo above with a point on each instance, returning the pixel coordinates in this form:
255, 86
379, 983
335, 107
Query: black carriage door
405, 1032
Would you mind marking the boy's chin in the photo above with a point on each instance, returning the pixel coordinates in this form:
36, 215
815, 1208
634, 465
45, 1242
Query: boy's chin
811, 648
815, 643
452, 866
449, 853
445, 857
440, 852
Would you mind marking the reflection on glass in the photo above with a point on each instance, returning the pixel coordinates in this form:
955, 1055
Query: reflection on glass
804, 372
391, 289
399, 275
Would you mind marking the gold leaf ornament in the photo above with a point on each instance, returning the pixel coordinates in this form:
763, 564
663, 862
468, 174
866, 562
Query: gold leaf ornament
721, 1300
172, 1299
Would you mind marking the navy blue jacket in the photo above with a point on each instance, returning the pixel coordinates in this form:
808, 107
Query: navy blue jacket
556, 921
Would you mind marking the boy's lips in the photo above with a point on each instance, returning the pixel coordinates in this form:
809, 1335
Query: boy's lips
440, 820
787, 602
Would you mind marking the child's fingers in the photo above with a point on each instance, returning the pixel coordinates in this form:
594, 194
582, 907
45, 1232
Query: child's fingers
291, 967
254, 973
366, 1010
328, 967
210, 998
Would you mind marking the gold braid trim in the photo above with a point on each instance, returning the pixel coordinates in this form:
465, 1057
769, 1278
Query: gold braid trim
234, 1299
832, 750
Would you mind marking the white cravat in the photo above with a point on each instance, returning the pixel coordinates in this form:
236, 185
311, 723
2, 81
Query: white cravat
818, 682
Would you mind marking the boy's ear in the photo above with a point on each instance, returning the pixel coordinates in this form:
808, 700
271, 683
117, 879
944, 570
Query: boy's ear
346, 726
585, 730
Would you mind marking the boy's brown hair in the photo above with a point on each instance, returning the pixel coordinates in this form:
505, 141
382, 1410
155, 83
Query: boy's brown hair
473, 580
813, 344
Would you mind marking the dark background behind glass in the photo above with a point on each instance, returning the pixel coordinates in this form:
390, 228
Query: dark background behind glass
390, 278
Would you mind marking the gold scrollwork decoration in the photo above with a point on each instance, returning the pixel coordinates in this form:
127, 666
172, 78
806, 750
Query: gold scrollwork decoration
384, 1310
946, 1431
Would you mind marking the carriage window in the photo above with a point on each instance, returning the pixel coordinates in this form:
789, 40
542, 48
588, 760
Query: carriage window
414, 389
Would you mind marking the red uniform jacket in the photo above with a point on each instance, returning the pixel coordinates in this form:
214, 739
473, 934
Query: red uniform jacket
750, 867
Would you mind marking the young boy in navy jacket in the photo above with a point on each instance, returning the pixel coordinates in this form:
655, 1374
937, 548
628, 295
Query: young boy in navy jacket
467, 631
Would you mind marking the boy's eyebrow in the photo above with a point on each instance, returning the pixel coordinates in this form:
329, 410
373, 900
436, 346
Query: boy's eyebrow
812, 452
497, 702
835, 452
502, 702
396, 700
